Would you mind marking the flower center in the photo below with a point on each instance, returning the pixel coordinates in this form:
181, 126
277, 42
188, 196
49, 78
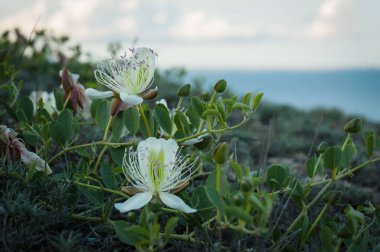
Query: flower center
156, 167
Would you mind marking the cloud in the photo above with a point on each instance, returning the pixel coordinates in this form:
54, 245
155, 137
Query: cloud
198, 25
330, 18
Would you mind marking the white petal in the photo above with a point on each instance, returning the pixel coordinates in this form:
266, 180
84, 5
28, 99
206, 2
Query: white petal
144, 149
147, 56
175, 202
170, 148
31, 158
95, 94
131, 99
135, 202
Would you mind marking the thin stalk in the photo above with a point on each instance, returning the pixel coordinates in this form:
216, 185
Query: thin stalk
107, 128
98, 188
145, 120
67, 100
114, 145
314, 224
202, 122
101, 154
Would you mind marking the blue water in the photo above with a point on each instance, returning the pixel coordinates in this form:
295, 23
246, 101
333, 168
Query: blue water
353, 91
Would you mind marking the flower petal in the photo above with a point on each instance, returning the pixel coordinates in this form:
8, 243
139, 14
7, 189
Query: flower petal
137, 201
31, 158
131, 99
95, 94
175, 202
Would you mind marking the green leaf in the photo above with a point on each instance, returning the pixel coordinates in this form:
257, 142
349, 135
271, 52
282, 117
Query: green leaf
117, 155
117, 127
370, 143
131, 119
162, 116
58, 98
152, 125
66, 119
130, 234
102, 114
211, 182
200, 201
329, 239
56, 130
109, 179
95, 196
311, 167
26, 105
347, 154
277, 176
215, 198
257, 100
237, 168
193, 117
182, 124
234, 211
332, 157
197, 105
170, 226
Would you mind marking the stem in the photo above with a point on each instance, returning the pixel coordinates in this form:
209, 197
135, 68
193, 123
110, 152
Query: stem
202, 123
114, 145
314, 224
100, 156
87, 218
182, 238
98, 188
144, 119
107, 128
67, 100
348, 139
217, 185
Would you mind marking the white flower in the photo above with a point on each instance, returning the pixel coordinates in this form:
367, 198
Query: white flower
156, 169
47, 98
15, 149
127, 77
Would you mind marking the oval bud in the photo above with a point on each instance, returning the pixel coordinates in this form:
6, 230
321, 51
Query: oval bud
205, 96
220, 86
322, 147
238, 199
184, 90
221, 153
67, 86
353, 126
131, 217
155, 206
246, 185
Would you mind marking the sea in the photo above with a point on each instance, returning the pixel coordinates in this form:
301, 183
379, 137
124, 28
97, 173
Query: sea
354, 91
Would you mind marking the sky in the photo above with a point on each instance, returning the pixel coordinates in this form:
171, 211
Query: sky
215, 34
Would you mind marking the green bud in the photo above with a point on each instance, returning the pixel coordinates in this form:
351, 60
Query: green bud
332, 197
246, 185
238, 199
221, 153
220, 86
155, 206
322, 147
353, 126
131, 217
184, 90
205, 96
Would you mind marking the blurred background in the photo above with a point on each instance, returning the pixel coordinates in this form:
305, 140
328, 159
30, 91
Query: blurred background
303, 53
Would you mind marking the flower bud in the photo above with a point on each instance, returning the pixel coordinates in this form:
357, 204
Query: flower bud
205, 96
322, 147
221, 153
353, 126
155, 206
131, 217
65, 75
184, 90
220, 86
238, 199
246, 185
